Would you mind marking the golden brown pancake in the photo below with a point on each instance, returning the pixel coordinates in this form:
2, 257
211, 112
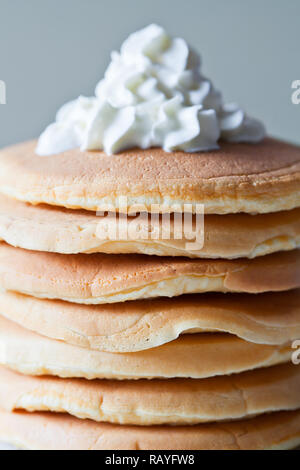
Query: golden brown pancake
272, 318
191, 356
59, 230
47, 431
101, 278
152, 402
236, 178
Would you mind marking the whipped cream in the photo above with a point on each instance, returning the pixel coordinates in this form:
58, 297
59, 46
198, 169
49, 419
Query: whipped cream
153, 94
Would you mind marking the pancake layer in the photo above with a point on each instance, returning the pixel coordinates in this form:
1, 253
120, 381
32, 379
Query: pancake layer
46, 431
237, 178
145, 402
191, 356
272, 318
48, 228
100, 278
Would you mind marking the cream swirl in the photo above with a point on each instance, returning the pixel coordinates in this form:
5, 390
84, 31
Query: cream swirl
152, 95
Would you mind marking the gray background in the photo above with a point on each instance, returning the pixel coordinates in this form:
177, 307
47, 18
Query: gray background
53, 50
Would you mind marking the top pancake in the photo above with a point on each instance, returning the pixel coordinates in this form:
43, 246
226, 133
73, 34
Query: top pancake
257, 178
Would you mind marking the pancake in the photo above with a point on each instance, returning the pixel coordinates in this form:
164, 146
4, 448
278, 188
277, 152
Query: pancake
191, 356
152, 402
47, 431
249, 178
101, 278
59, 230
138, 325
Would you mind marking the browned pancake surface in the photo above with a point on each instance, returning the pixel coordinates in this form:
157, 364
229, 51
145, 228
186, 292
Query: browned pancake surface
238, 177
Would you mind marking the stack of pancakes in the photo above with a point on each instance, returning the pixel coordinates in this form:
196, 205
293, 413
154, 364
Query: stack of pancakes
148, 343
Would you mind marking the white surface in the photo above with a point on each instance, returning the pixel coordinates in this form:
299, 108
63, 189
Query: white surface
4, 446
